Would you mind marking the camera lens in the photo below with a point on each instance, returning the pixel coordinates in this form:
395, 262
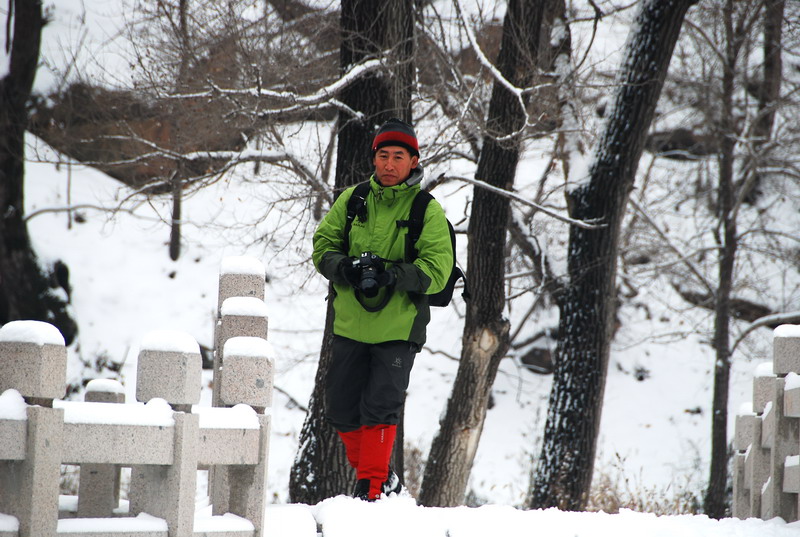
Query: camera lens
369, 284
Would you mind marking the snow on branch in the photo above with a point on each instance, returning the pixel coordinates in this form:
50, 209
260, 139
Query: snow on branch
519, 199
496, 74
331, 103
789, 317
322, 95
231, 157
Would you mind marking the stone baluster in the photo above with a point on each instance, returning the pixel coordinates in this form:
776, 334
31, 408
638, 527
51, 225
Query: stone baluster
98, 494
743, 440
247, 378
170, 368
757, 458
33, 361
239, 317
240, 276
782, 433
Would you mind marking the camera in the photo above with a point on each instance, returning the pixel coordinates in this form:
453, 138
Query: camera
369, 265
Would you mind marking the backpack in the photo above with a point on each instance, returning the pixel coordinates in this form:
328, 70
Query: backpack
357, 207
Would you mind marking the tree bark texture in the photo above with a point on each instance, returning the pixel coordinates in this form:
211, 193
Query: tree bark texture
564, 469
368, 28
773, 66
24, 289
768, 94
486, 332
181, 132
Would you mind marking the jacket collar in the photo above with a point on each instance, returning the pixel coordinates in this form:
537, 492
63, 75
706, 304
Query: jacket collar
391, 192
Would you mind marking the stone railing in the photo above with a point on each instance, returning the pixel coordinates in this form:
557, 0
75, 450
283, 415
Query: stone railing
164, 438
766, 466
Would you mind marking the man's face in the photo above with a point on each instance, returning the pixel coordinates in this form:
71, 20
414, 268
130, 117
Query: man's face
393, 164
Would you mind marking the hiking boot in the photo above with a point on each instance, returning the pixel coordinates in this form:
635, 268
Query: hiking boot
361, 490
392, 485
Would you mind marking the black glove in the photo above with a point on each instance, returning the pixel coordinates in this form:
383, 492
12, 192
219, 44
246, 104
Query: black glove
350, 273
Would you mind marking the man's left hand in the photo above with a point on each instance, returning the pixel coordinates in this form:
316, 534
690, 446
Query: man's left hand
386, 278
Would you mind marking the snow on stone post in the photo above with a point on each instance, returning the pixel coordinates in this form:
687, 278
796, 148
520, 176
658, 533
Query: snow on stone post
98, 493
240, 276
170, 368
33, 361
781, 431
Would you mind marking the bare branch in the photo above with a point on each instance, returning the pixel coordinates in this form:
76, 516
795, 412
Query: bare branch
323, 95
683, 258
791, 317
84, 206
519, 199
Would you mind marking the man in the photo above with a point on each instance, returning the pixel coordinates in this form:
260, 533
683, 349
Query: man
380, 304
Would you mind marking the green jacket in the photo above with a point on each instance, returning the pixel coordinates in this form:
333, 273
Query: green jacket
407, 313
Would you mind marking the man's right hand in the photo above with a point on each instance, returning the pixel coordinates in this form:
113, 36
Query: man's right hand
351, 274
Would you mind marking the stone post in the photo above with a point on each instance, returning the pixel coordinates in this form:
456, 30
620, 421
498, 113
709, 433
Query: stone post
98, 494
33, 361
757, 458
248, 373
170, 368
169, 492
786, 440
239, 276
743, 439
239, 317
248, 484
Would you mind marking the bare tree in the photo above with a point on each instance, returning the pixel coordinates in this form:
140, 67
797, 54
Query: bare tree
735, 24
565, 466
368, 29
485, 339
24, 290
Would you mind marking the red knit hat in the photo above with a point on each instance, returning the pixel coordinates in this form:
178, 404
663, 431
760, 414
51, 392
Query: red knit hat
396, 132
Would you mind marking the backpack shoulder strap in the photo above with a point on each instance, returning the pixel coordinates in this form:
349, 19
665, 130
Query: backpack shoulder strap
416, 219
356, 207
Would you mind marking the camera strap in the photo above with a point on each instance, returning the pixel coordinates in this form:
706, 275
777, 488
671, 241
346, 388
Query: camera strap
378, 307
356, 207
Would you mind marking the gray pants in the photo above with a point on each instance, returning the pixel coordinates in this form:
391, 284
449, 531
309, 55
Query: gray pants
366, 383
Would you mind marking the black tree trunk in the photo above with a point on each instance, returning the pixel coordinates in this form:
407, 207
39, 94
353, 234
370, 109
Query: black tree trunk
369, 28
485, 339
24, 289
565, 466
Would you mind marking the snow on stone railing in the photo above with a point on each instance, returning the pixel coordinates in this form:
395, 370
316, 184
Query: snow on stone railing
766, 466
164, 438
